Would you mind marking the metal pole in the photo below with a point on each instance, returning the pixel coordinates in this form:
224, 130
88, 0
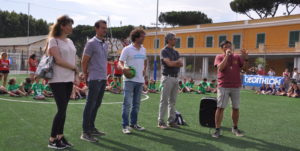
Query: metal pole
194, 75
156, 51
28, 53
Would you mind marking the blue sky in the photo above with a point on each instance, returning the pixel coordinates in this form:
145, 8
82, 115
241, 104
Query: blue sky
134, 12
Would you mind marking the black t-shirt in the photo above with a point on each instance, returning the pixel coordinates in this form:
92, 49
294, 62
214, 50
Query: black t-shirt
173, 55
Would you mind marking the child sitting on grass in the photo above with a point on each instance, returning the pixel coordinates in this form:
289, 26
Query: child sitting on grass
281, 91
190, 85
268, 90
109, 80
294, 90
262, 89
152, 86
38, 89
182, 87
212, 86
115, 86
205, 85
274, 90
47, 89
26, 86
14, 89
3, 90
82, 87
200, 89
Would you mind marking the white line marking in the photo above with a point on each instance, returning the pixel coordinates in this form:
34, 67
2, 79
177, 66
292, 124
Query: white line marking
39, 102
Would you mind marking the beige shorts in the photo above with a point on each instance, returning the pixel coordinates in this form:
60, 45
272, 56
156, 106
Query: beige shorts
225, 93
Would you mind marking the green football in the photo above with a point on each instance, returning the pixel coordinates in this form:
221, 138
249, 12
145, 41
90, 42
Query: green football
131, 73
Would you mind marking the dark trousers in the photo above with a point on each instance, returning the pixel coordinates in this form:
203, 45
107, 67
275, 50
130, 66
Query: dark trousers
62, 92
94, 100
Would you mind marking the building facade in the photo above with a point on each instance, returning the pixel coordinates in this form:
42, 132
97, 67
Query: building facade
276, 40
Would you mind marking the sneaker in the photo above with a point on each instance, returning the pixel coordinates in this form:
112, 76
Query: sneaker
88, 137
216, 134
57, 144
64, 140
137, 127
96, 132
126, 130
173, 125
237, 132
162, 126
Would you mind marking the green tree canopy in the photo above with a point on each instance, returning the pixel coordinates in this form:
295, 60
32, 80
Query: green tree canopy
182, 18
15, 25
263, 8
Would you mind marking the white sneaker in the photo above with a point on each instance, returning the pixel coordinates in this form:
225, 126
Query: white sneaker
237, 132
126, 130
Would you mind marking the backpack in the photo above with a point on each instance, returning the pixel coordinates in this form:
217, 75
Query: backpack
179, 119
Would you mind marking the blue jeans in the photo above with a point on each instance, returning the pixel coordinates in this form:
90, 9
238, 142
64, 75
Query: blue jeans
94, 100
132, 99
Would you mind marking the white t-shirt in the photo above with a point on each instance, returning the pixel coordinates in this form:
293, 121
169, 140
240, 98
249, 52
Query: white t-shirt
134, 57
271, 73
68, 53
295, 75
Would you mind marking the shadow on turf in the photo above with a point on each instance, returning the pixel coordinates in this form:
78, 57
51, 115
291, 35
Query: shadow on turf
178, 144
123, 147
238, 142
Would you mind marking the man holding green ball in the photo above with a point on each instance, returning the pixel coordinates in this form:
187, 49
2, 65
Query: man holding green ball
133, 63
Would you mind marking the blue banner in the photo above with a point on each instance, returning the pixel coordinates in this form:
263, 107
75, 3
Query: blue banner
257, 80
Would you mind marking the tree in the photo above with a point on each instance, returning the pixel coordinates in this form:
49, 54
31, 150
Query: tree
83, 32
263, 8
15, 25
80, 35
119, 34
182, 18
291, 5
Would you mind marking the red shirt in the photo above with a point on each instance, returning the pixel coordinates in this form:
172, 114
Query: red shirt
32, 65
4, 65
109, 81
117, 70
261, 72
109, 69
81, 85
230, 77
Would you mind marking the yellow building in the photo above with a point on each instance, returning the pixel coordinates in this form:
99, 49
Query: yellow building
275, 39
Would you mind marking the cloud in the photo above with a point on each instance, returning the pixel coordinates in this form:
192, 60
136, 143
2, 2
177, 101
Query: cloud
143, 12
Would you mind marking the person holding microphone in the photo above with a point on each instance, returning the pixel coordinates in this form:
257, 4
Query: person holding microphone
229, 66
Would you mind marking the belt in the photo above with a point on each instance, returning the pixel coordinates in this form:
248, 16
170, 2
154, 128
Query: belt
170, 75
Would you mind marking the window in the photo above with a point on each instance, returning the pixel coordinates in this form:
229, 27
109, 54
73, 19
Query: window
294, 37
209, 41
156, 43
237, 41
222, 38
177, 45
260, 39
190, 42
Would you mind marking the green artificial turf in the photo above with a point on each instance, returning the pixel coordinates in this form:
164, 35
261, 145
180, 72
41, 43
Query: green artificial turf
270, 123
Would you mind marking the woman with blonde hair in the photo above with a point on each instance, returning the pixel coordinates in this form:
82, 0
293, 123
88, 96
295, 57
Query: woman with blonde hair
64, 75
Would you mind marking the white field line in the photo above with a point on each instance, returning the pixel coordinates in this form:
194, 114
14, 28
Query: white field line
40, 102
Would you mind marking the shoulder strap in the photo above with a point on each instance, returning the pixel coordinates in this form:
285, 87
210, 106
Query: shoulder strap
46, 48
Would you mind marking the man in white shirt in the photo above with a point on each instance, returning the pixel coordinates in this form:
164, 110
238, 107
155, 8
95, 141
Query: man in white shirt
134, 55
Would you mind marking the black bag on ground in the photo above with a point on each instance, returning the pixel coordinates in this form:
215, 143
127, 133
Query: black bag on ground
179, 119
208, 106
